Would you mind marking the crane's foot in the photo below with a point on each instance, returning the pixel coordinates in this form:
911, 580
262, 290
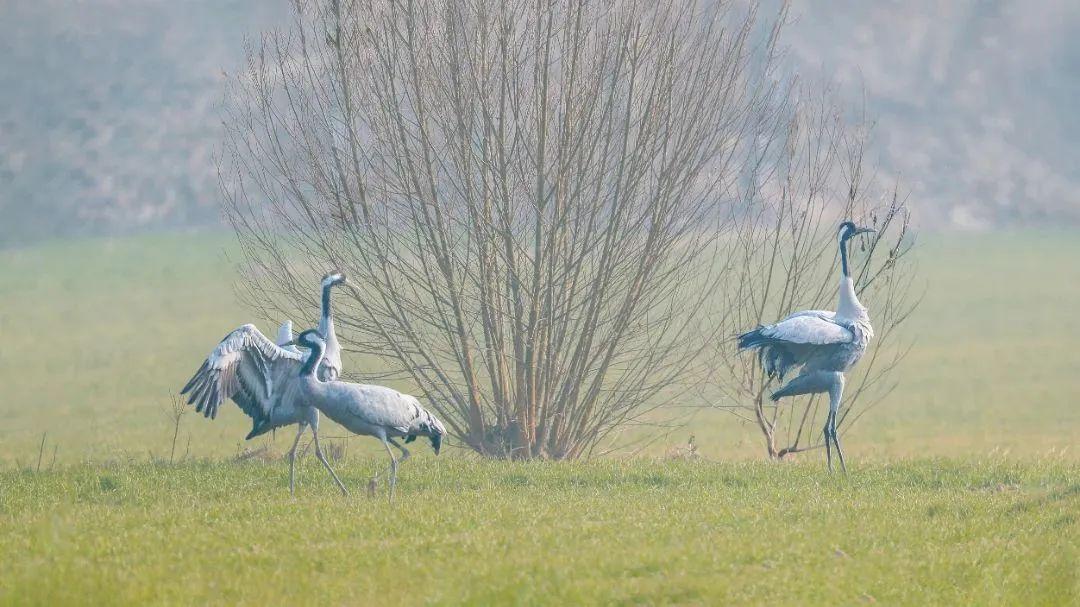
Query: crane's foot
836, 443
828, 449
840, 454
393, 483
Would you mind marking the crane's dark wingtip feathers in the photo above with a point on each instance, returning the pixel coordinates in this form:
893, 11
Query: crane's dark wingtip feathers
750, 339
202, 392
194, 379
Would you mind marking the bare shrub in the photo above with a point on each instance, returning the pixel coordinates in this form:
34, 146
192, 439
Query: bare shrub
532, 198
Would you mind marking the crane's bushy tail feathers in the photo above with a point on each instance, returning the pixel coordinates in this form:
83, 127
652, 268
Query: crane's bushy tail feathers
775, 359
431, 428
751, 339
436, 441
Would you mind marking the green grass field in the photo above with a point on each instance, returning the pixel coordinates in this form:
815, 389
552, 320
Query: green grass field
965, 482
643, 532
97, 334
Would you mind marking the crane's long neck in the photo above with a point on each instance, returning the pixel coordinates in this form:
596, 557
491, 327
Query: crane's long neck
843, 258
314, 358
848, 305
326, 322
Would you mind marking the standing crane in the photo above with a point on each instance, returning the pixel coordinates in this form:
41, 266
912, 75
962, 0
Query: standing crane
365, 409
824, 344
258, 378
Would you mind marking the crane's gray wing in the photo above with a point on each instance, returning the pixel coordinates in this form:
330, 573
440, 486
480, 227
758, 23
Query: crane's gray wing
246, 367
796, 340
808, 329
823, 314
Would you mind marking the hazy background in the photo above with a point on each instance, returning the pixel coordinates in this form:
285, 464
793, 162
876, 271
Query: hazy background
109, 108
109, 122
965, 480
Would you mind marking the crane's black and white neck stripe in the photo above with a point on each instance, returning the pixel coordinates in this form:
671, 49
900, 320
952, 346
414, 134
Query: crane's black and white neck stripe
311, 340
848, 306
847, 230
329, 281
330, 367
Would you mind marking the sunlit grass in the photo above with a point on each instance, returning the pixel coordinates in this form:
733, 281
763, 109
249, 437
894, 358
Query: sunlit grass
466, 531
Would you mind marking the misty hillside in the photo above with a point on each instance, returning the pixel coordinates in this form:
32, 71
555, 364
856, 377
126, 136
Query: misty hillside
109, 109
975, 101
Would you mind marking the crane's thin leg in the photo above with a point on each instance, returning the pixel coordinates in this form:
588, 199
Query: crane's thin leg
393, 467
404, 452
828, 442
322, 458
836, 442
836, 391
292, 459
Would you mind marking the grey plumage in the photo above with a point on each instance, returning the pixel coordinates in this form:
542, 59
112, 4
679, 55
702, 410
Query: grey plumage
260, 377
821, 344
263, 379
814, 340
247, 367
370, 410
330, 368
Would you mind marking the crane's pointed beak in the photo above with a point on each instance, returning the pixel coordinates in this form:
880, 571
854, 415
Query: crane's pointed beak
864, 231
